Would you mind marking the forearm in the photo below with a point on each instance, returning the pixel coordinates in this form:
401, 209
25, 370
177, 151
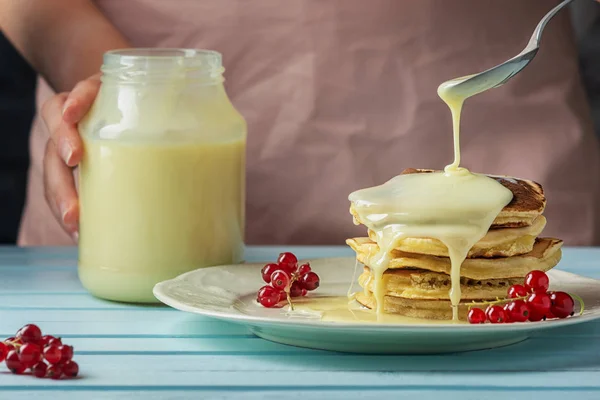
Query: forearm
62, 39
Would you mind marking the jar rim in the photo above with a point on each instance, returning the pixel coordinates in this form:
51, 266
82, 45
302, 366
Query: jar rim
153, 62
161, 53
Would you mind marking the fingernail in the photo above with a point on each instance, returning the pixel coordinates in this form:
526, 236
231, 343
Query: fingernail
64, 210
67, 105
65, 151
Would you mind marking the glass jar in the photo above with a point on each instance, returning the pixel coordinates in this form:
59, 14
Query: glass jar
162, 180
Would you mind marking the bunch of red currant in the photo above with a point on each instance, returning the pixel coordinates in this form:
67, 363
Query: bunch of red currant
28, 349
528, 302
286, 280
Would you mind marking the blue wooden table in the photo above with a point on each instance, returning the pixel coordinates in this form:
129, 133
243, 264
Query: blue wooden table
127, 351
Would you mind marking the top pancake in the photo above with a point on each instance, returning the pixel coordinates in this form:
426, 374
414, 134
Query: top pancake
528, 201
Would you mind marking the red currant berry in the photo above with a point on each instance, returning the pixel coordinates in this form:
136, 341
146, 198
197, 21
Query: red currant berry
537, 282
539, 303
267, 271
288, 261
280, 280
310, 281
52, 354
30, 354
14, 364
495, 314
517, 311
30, 334
304, 292
66, 353
508, 320
268, 296
54, 371
70, 369
39, 370
562, 306
3, 351
55, 342
296, 289
46, 340
303, 269
282, 296
517, 291
535, 316
476, 316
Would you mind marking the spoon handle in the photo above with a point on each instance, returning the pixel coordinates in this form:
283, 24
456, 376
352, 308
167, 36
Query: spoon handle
534, 42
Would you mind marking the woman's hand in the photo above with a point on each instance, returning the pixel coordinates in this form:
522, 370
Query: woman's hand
64, 41
61, 114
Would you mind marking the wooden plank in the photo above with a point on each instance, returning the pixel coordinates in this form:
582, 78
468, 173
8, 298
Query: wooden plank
61, 301
119, 323
45, 256
147, 372
254, 355
277, 394
46, 280
560, 347
236, 346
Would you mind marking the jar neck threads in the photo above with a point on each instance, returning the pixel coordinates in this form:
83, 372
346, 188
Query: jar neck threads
142, 66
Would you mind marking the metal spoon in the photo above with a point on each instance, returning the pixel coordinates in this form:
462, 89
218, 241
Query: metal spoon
500, 74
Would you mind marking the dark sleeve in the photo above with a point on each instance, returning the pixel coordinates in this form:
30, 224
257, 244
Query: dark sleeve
17, 107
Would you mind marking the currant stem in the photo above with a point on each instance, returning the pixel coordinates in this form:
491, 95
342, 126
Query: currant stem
581, 303
16, 345
497, 301
287, 292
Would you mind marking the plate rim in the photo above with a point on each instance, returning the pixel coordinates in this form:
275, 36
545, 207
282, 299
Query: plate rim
251, 320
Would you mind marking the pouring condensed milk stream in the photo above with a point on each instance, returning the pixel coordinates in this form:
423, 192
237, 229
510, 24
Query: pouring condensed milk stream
455, 206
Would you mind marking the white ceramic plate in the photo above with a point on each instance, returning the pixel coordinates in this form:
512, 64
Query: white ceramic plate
229, 292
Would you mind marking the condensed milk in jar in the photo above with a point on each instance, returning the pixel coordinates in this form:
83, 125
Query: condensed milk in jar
162, 180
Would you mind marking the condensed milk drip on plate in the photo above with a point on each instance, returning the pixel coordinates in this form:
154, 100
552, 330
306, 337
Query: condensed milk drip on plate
455, 206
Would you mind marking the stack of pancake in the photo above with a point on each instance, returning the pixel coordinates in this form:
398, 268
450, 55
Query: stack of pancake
417, 281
